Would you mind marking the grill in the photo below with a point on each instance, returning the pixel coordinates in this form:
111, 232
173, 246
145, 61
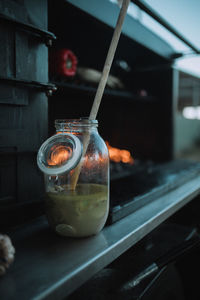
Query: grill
140, 118
142, 112
146, 182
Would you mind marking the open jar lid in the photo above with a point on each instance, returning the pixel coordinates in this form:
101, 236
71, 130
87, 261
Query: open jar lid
59, 154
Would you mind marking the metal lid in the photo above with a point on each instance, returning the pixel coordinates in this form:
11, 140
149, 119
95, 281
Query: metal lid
59, 154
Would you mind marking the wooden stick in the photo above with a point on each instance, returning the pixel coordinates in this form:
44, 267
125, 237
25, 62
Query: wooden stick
109, 60
102, 84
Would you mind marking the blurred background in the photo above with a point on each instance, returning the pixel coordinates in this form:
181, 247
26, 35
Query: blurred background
183, 16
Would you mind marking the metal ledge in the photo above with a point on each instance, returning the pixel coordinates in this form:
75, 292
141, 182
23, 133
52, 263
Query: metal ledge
107, 13
133, 28
152, 13
51, 267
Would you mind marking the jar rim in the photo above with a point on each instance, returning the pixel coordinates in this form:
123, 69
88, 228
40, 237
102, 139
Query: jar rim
76, 122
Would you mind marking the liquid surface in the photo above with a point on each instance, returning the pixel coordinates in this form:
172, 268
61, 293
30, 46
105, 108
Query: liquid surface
82, 212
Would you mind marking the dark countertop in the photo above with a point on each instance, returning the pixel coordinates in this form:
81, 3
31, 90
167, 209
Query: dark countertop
48, 266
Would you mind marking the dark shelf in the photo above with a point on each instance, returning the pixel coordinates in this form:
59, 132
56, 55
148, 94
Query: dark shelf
63, 87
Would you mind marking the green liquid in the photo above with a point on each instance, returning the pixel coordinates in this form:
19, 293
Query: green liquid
82, 212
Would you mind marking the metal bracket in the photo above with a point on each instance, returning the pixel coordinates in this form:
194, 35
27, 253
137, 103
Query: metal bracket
48, 88
46, 36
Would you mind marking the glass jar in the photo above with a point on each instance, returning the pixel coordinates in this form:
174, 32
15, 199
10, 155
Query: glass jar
75, 163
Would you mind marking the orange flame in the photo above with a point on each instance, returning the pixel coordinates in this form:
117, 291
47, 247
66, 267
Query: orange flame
58, 155
118, 155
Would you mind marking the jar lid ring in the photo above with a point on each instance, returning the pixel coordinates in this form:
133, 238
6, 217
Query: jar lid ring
66, 140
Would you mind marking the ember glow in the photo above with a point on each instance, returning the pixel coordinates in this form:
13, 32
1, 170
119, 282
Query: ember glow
59, 154
118, 155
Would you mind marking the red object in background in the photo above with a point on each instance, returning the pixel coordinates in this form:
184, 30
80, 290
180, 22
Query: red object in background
62, 62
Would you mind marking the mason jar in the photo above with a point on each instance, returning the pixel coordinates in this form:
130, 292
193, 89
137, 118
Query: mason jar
75, 163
